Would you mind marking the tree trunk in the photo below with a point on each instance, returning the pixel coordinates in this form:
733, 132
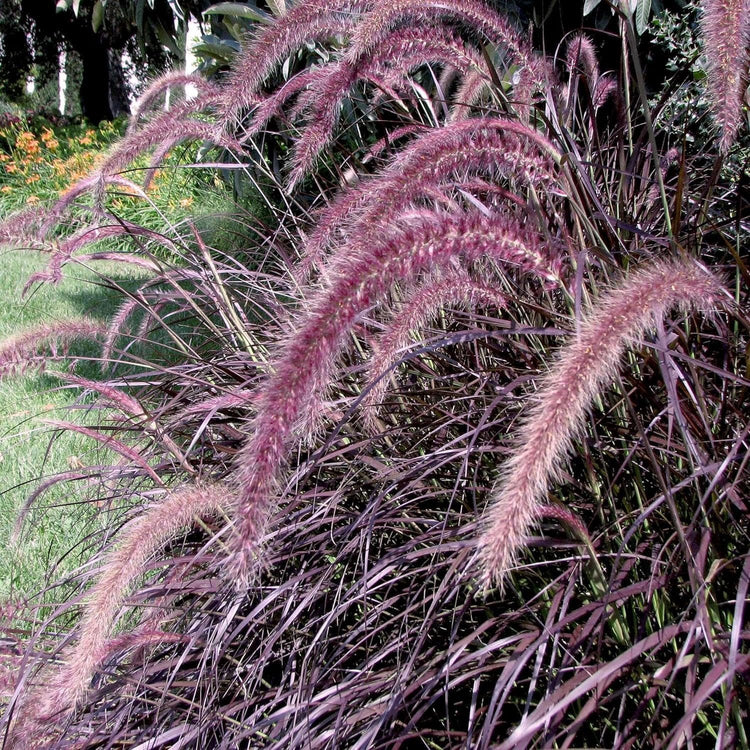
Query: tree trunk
94, 93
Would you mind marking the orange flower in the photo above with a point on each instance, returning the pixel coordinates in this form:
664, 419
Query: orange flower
32, 178
32, 199
6, 189
12, 168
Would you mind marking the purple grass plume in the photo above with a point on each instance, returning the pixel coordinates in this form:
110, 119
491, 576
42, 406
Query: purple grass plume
164, 83
566, 393
364, 274
454, 287
310, 20
64, 254
726, 38
533, 71
440, 156
33, 348
399, 52
59, 693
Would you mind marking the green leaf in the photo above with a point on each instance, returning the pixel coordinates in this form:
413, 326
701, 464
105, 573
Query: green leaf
166, 39
239, 10
589, 5
642, 14
97, 15
219, 51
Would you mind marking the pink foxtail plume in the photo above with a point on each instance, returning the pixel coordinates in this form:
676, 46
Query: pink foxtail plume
64, 254
533, 71
439, 156
34, 347
399, 53
310, 20
422, 306
62, 691
566, 393
726, 38
168, 128
365, 273
164, 83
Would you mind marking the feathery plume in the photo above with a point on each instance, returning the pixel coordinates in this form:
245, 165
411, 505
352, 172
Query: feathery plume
437, 157
23, 228
312, 20
467, 95
131, 407
52, 273
567, 391
396, 56
376, 24
414, 243
165, 132
108, 441
533, 71
726, 38
163, 83
62, 691
422, 306
114, 329
24, 350
581, 58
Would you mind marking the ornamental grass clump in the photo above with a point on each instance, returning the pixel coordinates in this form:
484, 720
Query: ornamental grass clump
443, 442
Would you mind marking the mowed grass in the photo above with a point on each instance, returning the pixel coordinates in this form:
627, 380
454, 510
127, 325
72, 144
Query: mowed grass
30, 450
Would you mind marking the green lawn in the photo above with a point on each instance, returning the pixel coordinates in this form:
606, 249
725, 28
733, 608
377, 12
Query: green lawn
28, 452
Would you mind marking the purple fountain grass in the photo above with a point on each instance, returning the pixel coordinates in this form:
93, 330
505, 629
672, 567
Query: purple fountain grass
580, 58
534, 72
310, 20
127, 452
422, 306
61, 692
439, 156
414, 243
566, 393
115, 396
64, 253
23, 351
165, 132
272, 105
398, 53
132, 408
387, 141
726, 38
468, 95
162, 84
377, 24
96, 181
116, 323
607, 88
25, 228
